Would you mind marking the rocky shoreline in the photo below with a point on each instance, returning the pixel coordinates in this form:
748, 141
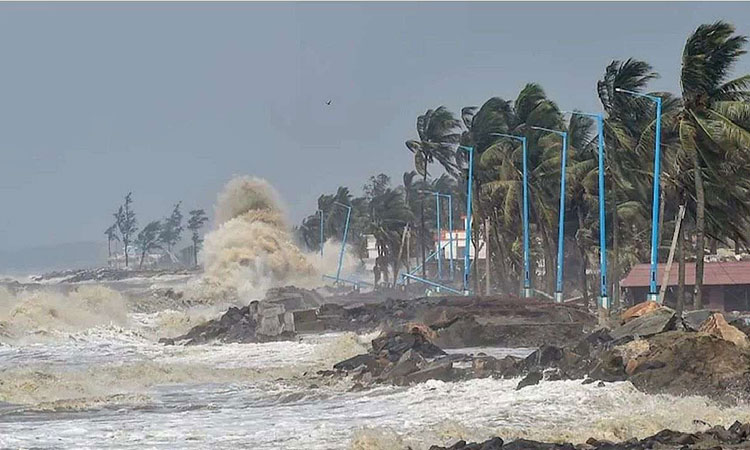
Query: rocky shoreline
656, 351
455, 322
737, 436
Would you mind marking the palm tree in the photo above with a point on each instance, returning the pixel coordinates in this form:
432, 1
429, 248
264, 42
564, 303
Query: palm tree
713, 124
111, 234
438, 136
388, 215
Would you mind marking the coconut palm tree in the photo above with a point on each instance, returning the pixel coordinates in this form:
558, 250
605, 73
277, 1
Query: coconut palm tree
438, 132
713, 126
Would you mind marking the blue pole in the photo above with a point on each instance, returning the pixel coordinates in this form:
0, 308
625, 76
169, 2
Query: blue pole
653, 293
561, 215
467, 243
602, 225
526, 251
343, 243
526, 264
450, 224
604, 300
440, 238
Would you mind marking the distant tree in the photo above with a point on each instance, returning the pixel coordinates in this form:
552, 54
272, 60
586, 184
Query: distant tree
126, 223
376, 186
196, 221
171, 229
111, 234
148, 239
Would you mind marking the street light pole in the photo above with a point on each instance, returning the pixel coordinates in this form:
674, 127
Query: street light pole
343, 242
468, 217
603, 299
653, 293
320, 211
561, 215
526, 263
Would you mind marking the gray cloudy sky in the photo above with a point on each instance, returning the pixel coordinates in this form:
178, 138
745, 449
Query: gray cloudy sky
171, 100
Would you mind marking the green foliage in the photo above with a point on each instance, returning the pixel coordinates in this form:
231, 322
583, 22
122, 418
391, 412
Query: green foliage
196, 221
171, 230
148, 239
126, 224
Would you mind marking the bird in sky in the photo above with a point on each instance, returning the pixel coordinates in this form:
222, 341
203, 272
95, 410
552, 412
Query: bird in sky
328, 103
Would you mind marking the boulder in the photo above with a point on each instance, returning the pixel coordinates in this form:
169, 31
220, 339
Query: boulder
533, 378
436, 370
393, 345
658, 321
410, 362
694, 319
353, 363
717, 326
639, 310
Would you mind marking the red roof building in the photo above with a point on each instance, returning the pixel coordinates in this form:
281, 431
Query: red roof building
726, 284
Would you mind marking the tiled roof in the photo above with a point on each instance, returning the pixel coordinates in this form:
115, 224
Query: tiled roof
714, 274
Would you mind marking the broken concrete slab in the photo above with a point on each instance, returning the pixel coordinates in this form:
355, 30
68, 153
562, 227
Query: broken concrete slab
656, 322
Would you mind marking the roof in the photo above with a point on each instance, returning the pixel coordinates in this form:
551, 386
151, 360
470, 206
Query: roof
714, 274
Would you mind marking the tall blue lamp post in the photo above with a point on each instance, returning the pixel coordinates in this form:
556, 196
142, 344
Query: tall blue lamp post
343, 242
526, 263
320, 211
467, 261
439, 230
561, 215
603, 299
653, 292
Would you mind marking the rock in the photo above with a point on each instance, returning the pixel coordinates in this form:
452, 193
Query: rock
694, 319
366, 360
410, 362
639, 310
436, 370
533, 378
394, 344
656, 322
717, 326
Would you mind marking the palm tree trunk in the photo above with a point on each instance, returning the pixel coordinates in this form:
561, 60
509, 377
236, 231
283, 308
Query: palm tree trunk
487, 280
584, 262
700, 224
680, 272
615, 257
422, 229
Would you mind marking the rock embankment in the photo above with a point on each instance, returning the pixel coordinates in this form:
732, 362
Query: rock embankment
500, 321
656, 351
736, 436
271, 319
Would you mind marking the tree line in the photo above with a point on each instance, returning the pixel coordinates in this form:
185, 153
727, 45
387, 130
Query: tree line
162, 234
705, 147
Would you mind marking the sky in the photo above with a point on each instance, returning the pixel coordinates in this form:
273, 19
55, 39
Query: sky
170, 100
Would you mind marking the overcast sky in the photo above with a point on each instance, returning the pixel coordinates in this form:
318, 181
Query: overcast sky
171, 100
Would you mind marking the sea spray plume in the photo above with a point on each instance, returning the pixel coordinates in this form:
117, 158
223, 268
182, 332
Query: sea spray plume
250, 248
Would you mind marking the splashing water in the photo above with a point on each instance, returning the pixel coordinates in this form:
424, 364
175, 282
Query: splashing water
251, 249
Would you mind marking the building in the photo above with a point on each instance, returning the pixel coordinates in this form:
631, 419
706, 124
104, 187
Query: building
726, 284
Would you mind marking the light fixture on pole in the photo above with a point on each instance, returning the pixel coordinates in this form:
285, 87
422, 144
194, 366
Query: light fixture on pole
526, 263
653, 292
561, 214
